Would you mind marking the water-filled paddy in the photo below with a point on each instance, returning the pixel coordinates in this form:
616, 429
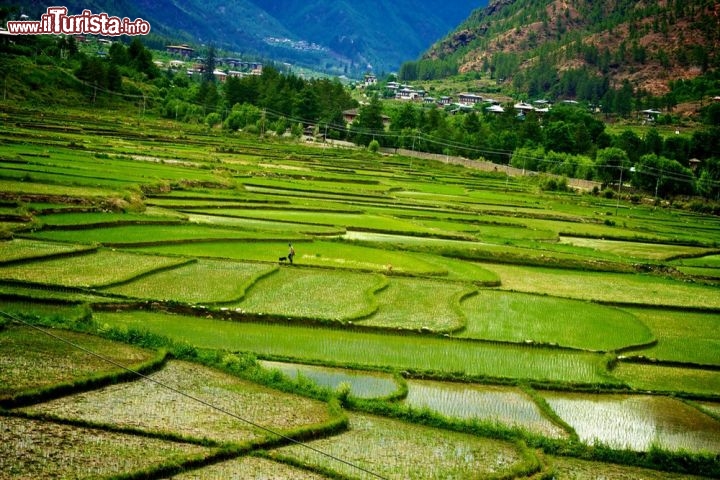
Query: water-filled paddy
506, 405
362, 384
637, 422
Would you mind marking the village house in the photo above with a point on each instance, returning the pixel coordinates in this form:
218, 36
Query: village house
350, 115
523, 108
650, 115
182, 50
495, 109
469, 99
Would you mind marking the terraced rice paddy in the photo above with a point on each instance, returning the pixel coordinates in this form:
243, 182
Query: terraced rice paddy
249, 467
412, 304
665, 378
507, 406
637, 250
39, 449
362, 384
637, 422
453, 279
31, 360
22, 249
311, 293
682, 336
369, 349
397, 450
517, 317
204, 281
89, 270
150, 405
607, 287
566, 468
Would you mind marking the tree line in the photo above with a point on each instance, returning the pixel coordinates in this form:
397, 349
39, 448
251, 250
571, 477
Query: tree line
567, 140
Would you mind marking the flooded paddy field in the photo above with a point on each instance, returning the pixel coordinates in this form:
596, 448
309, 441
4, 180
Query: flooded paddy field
362, 384
505, 405
637, 422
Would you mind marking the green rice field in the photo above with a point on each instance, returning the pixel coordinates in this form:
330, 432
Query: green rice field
374, 350
517, 317
436, 322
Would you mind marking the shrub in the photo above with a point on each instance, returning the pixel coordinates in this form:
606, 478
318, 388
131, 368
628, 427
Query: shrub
608, 193
374, 146
212, 119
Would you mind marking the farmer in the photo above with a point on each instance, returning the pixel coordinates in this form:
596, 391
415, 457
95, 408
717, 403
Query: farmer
291, 253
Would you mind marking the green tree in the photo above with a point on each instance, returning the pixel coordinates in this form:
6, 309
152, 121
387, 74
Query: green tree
119, 54
242, 116
666, 177
141, 59
93, 72
406, 118
306, 105
677, 148
708, 184
559, 137
209, 65
368, 123
623, 99
611, 163
630, 143
114, 78
653, 142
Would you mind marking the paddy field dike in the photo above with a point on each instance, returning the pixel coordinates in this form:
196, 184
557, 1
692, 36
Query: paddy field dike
436, 321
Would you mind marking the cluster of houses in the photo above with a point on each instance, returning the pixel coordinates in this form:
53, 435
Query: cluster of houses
234, 66
462, 102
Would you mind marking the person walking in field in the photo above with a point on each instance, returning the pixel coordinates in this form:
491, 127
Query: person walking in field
291, 253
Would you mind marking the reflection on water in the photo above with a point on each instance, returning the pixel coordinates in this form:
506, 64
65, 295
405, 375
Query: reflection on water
362, 384
637, 421
509, 406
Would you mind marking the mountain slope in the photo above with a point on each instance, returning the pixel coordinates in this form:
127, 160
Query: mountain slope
338, 36
379, 33
647, 43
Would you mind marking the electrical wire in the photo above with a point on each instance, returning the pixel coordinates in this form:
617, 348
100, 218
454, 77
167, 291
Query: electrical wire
189, 396
420, 136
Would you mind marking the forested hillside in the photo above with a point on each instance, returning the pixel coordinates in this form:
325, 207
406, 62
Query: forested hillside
581, 49
340, 37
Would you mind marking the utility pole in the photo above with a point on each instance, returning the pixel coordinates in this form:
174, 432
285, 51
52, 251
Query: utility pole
617, 205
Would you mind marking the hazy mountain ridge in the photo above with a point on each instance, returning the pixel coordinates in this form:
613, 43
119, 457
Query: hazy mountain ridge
341, 36
647, 43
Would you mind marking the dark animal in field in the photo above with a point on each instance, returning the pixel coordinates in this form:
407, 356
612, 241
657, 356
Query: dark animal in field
282, 259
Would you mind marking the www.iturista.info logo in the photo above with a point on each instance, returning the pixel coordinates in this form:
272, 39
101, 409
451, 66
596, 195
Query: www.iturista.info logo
57, 22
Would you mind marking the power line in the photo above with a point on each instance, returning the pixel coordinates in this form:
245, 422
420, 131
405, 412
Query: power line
187, 395
270, 113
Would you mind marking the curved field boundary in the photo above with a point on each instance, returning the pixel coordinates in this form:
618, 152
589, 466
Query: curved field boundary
679, 308
21, 249
61, 275
643, 360
406, 351
339, 229
527, 318
405, 305
350, 325
146, 273
118, 223
50, 256
160, 243
94, 382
